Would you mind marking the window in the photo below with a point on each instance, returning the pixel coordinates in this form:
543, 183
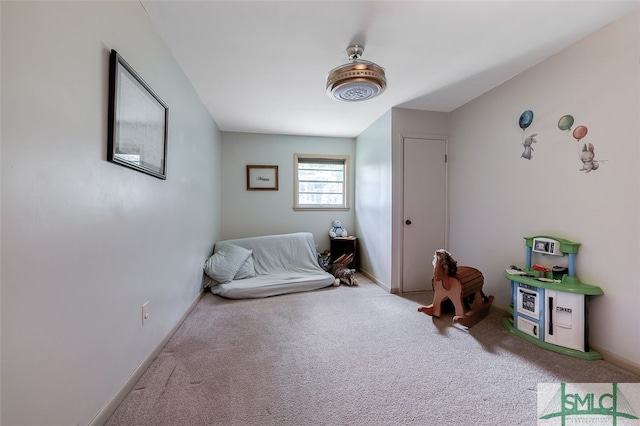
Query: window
320, 182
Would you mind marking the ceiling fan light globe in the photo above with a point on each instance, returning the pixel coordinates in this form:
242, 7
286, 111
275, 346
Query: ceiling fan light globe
355, 90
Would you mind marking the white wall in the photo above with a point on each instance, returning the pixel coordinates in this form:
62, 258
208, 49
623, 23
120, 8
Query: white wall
86, 242
414, 124
252, 213
379, 202
497, 197
373, 200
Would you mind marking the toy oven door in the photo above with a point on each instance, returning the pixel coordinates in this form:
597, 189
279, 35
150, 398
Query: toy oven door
528, 301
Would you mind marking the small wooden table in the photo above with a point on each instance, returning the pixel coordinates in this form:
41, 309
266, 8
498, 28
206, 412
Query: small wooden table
340, 246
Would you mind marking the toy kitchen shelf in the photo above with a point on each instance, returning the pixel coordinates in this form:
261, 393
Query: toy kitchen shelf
550, 313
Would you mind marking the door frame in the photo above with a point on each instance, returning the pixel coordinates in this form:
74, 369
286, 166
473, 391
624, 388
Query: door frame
446, 197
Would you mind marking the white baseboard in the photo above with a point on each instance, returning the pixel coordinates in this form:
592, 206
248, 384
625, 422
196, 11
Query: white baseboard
108, 409
375, 281
617, 360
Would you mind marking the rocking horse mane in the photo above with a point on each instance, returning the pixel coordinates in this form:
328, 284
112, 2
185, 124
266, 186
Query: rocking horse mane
443, 260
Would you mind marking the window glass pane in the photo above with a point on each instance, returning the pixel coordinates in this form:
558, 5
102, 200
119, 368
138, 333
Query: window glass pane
328, 187
333, 176
321, 182
321, 199
309, 166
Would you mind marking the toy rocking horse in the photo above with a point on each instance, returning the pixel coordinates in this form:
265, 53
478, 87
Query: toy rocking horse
460, 284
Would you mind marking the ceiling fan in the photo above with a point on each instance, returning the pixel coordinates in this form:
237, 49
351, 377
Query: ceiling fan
357, 80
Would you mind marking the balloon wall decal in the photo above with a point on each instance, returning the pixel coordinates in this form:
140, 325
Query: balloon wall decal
526, 118
586, 151
587, 154
565, 122
588, 158
528, 148
580, 132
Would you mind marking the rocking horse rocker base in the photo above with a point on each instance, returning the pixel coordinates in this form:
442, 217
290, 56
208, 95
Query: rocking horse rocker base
463, 286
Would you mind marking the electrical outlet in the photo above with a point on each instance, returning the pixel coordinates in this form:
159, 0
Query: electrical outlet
145, 313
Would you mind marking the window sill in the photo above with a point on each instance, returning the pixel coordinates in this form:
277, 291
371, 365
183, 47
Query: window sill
321, 209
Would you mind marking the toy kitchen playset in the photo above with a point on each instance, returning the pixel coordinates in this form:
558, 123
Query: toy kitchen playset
549, 304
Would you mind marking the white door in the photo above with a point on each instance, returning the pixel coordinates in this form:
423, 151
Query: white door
424, 192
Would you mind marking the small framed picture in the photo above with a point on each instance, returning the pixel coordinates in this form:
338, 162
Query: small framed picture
262, 178
137, 135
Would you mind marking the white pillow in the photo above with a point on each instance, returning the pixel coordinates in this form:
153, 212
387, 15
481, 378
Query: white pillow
247, 270
225, 263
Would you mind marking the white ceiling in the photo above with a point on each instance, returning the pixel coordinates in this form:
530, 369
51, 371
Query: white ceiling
261, 66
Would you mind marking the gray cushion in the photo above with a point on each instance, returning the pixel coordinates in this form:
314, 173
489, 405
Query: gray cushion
247, 270
225, 263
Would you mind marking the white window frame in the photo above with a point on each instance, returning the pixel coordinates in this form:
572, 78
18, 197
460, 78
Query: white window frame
321, 157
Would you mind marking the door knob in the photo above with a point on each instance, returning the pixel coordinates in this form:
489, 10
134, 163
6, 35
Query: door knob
408, 221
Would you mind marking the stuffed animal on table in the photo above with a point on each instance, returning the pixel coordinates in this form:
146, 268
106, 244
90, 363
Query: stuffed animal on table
337, 230
342, 274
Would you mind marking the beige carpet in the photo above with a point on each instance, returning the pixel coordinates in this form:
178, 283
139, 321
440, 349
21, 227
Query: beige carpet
345, 356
